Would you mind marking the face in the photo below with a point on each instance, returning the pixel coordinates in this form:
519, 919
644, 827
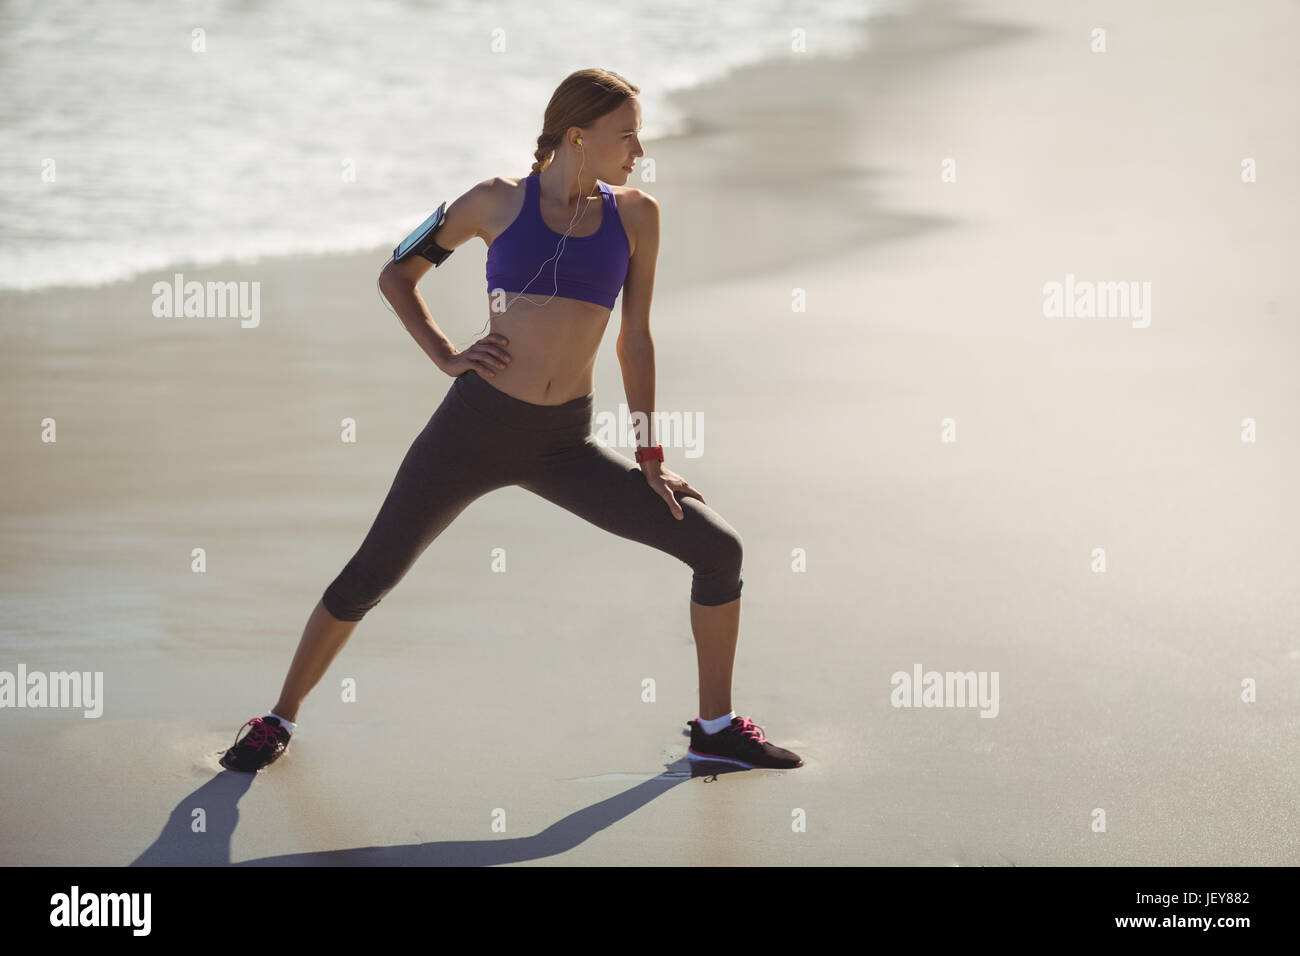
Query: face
613, 142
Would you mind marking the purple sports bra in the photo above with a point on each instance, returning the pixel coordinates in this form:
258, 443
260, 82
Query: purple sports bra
591, 268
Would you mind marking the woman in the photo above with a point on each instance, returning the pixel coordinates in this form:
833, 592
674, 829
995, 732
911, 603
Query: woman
522, 416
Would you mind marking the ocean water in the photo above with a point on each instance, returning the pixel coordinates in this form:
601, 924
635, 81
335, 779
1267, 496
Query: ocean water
149, 133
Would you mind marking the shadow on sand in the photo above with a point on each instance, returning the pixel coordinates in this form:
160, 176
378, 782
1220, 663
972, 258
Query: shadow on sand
178, 845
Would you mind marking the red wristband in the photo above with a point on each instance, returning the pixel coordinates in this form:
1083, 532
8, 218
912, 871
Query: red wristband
653, 453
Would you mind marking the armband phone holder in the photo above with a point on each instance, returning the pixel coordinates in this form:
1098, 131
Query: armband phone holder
420, 242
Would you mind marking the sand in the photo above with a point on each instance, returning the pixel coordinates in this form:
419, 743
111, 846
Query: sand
484, 696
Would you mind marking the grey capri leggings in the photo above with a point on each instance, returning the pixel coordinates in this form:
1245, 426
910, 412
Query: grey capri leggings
480, 439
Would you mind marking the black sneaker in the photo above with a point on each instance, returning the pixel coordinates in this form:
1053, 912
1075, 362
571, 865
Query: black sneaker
261, 746
741, 743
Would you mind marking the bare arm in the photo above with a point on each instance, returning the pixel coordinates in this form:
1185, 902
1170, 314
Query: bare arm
635, 347
397, 281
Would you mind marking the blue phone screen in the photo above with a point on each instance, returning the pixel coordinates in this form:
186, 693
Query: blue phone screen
421, 233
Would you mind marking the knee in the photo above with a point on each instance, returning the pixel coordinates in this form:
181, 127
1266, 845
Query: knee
717, 578
345, 602
729, 549
718, 545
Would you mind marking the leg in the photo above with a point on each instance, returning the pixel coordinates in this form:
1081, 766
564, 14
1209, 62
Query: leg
321, 641
716, 631
453, 461
609, 490
444, 470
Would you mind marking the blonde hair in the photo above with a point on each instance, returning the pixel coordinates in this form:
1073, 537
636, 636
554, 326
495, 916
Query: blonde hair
583, 97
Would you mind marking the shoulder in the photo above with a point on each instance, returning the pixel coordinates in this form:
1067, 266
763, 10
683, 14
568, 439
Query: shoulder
635, 200
485, 203
502, 184
496, 190
640, 214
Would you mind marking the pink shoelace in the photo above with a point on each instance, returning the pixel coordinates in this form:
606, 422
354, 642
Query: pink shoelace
262, 735
752, 730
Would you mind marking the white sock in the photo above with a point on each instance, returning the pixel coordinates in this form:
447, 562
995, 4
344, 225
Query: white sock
288, 725
717, 723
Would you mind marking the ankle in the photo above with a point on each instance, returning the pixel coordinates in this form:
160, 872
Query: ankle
715, 724
285, 722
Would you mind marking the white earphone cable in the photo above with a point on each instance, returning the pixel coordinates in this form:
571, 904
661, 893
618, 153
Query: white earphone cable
559, 248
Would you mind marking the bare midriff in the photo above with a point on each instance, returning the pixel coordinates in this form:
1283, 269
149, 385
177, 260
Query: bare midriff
553, 340
552, 347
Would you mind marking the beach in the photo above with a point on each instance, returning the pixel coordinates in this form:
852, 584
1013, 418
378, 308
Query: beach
929, 473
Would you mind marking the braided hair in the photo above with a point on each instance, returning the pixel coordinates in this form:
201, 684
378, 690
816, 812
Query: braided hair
546, 144
581, 98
